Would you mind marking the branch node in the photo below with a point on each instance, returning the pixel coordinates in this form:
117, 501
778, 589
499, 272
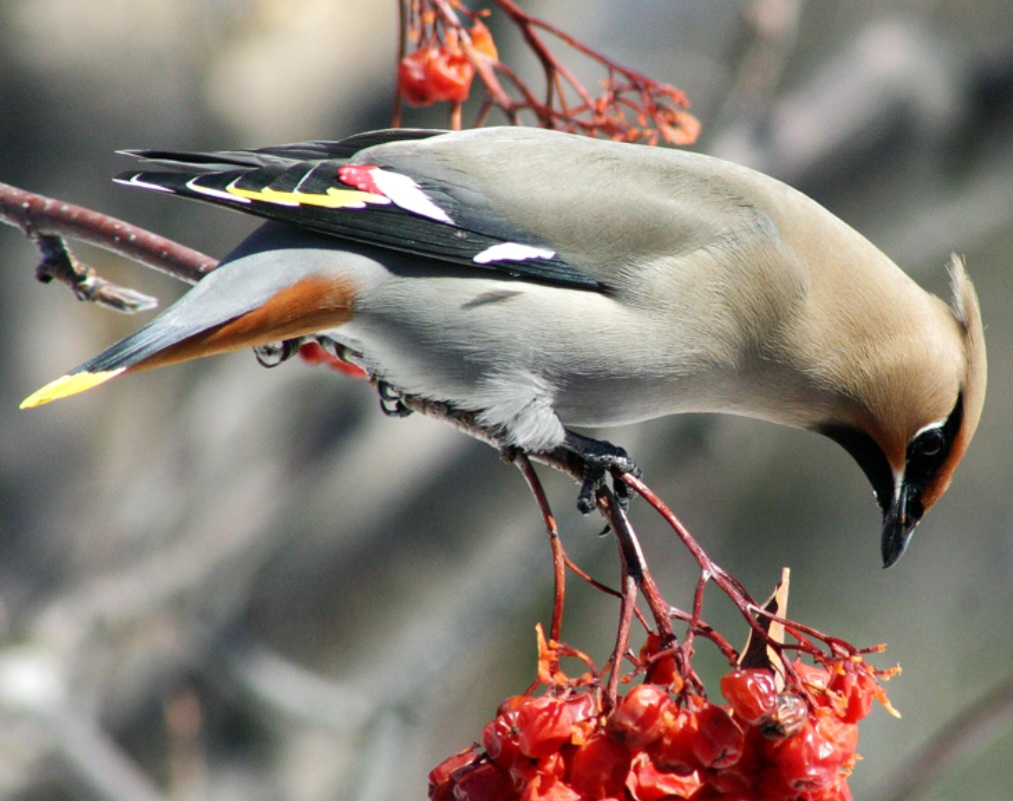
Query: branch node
57, 262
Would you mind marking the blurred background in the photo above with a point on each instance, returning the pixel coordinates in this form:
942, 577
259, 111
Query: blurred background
223, 582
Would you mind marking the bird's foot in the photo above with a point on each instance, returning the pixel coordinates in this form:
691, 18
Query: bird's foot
600, 459
274, 353
391, 403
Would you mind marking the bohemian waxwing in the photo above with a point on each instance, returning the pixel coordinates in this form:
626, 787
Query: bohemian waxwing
540, 280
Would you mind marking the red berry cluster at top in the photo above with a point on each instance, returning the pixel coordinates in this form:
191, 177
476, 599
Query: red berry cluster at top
659, 744
441, 72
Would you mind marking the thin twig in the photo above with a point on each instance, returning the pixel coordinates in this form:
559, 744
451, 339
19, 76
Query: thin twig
402, 48
558, 556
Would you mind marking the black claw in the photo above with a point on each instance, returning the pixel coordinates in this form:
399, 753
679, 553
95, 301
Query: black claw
585, 500
600, 459
390, 401
274, 353
623, 493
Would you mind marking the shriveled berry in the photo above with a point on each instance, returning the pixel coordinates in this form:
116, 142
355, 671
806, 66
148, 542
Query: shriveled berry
486, 782
501, 739
639, 718
599, 768
673, 751
719, 741
543, 724
449, 74
583, 706
858, 689
842, 733
549, 788
738, 780
527, 770
646, 783
412, 80
752, 693
442, 775
815, 679
808, 762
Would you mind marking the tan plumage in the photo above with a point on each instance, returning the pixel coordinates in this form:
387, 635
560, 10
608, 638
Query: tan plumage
544, 281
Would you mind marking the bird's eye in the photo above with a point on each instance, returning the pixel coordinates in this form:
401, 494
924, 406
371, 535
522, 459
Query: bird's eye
930, 443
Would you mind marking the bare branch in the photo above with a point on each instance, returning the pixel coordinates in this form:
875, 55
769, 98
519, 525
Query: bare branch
48, 221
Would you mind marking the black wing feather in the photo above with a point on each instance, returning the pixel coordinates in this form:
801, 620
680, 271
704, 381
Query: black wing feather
295, 153
383, 226
312, 167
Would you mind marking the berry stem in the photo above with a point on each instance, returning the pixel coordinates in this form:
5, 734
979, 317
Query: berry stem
559, 559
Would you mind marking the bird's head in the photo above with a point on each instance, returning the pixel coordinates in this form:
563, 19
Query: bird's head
915, 421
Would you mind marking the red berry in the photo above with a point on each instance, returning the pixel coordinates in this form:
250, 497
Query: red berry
816, 679
434, 74
646, 783
840, 732
487, 782
512, 704
583, 706
673, 751
544, 724
526, 770
739, 780
549, 788
501, 739
599, 768
858, 688
808, 762
443, 773
639, 719
412, 80
661, 670
719, 741
752, 692
449, 75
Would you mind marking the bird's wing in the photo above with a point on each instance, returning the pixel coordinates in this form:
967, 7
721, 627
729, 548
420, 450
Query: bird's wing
397, 202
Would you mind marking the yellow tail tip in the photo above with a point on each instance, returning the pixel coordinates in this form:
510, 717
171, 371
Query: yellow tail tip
67, 385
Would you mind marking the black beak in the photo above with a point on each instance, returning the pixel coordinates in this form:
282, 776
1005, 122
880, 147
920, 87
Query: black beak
899, 521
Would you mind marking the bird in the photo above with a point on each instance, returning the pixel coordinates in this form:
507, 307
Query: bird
544, 282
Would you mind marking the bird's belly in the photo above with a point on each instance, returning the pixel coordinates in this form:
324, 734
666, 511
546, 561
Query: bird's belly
580, 375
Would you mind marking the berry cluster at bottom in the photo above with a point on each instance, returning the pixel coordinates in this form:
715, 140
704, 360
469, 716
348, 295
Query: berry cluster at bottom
656, 745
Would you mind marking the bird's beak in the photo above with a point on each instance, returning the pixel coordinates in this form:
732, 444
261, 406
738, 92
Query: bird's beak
899, 521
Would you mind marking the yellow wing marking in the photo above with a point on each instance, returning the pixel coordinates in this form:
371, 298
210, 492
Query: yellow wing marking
334, 199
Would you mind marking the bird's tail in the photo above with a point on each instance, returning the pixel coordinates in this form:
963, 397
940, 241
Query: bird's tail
228, 310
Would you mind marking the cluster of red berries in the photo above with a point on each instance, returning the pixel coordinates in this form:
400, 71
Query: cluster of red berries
656, 744
443, 72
